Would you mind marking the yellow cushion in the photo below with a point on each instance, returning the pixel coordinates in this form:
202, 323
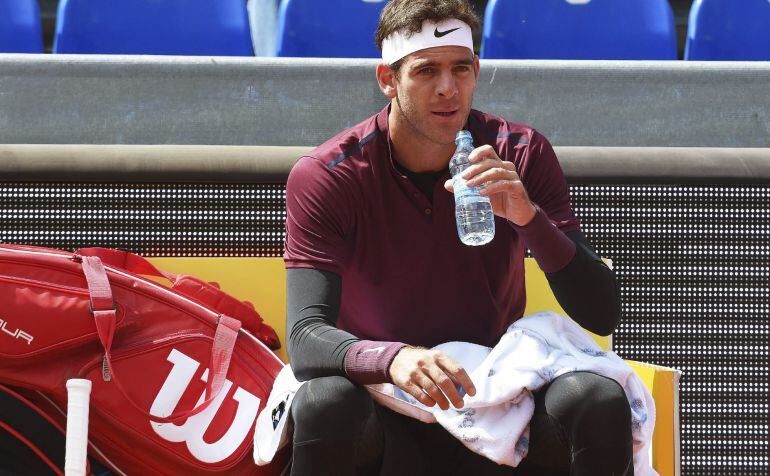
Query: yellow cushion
540, 297
663, 384
263, 282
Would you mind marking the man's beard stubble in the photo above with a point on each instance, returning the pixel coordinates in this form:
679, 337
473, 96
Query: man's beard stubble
414, 126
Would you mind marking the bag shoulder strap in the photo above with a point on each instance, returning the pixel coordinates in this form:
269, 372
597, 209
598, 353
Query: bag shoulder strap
126, 260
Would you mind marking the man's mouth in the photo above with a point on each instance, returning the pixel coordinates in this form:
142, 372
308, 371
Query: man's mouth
445, 113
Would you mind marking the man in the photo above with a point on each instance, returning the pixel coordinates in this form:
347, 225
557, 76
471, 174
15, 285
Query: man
376, 274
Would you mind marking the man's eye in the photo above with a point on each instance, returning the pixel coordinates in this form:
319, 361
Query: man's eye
425, 71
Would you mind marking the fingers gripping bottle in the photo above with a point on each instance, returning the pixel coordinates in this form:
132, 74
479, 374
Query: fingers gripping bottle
473, 211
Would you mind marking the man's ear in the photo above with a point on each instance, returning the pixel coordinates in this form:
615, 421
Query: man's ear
386, 79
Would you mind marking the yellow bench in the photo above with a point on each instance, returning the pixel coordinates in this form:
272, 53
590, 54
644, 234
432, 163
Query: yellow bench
263, 282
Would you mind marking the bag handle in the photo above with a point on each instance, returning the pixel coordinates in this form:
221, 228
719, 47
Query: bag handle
104, 311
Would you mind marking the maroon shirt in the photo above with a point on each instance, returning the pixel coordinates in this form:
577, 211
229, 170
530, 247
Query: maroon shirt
406, 276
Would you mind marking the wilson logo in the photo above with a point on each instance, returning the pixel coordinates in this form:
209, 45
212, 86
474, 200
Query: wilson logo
15, 333
192, 430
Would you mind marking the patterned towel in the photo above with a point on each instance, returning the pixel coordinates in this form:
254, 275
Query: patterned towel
495, 422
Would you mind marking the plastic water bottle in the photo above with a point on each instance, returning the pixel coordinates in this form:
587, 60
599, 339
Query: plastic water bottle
475, 220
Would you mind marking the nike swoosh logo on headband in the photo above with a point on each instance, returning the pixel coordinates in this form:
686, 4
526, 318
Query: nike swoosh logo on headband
439, 34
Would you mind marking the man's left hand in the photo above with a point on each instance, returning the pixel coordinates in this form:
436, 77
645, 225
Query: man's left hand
500, 183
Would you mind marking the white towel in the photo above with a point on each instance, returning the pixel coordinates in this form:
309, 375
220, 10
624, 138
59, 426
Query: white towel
535, 350
273, 426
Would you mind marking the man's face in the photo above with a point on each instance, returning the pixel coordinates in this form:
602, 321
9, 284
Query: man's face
434, 91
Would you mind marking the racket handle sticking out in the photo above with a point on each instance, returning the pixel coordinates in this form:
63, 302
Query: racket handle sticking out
78, 395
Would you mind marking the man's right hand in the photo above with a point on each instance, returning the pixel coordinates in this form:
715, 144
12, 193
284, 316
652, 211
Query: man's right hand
430, 376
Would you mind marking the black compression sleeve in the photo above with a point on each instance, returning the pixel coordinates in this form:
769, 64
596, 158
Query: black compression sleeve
587, 289
315, 346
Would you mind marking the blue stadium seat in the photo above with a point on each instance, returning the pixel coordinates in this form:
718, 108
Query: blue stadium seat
20, 27
579, 29
729, 30
328, 28
166, 27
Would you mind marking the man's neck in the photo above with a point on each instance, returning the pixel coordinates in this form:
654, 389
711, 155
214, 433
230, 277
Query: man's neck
414, 151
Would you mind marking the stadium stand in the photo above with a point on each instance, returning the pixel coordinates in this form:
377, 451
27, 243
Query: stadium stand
579, 29
174, 27
729, 30
20, 27
328, 29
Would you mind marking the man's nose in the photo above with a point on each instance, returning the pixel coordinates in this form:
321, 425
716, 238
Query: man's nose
447, 85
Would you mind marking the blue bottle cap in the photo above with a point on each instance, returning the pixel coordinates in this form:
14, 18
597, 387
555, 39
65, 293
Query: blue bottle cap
463, 136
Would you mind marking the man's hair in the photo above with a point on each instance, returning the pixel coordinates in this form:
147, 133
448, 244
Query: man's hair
408, 16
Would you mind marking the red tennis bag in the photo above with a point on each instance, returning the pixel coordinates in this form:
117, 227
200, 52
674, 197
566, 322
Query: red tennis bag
177, 382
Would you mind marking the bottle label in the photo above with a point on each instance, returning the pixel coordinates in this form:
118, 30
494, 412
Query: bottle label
464, 191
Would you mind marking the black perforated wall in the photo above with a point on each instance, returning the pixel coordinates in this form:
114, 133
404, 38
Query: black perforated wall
694, 268
693, 262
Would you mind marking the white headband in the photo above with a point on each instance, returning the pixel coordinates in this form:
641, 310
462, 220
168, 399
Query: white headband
451, 32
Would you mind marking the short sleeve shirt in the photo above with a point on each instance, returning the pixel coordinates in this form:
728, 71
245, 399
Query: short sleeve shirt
406, 276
